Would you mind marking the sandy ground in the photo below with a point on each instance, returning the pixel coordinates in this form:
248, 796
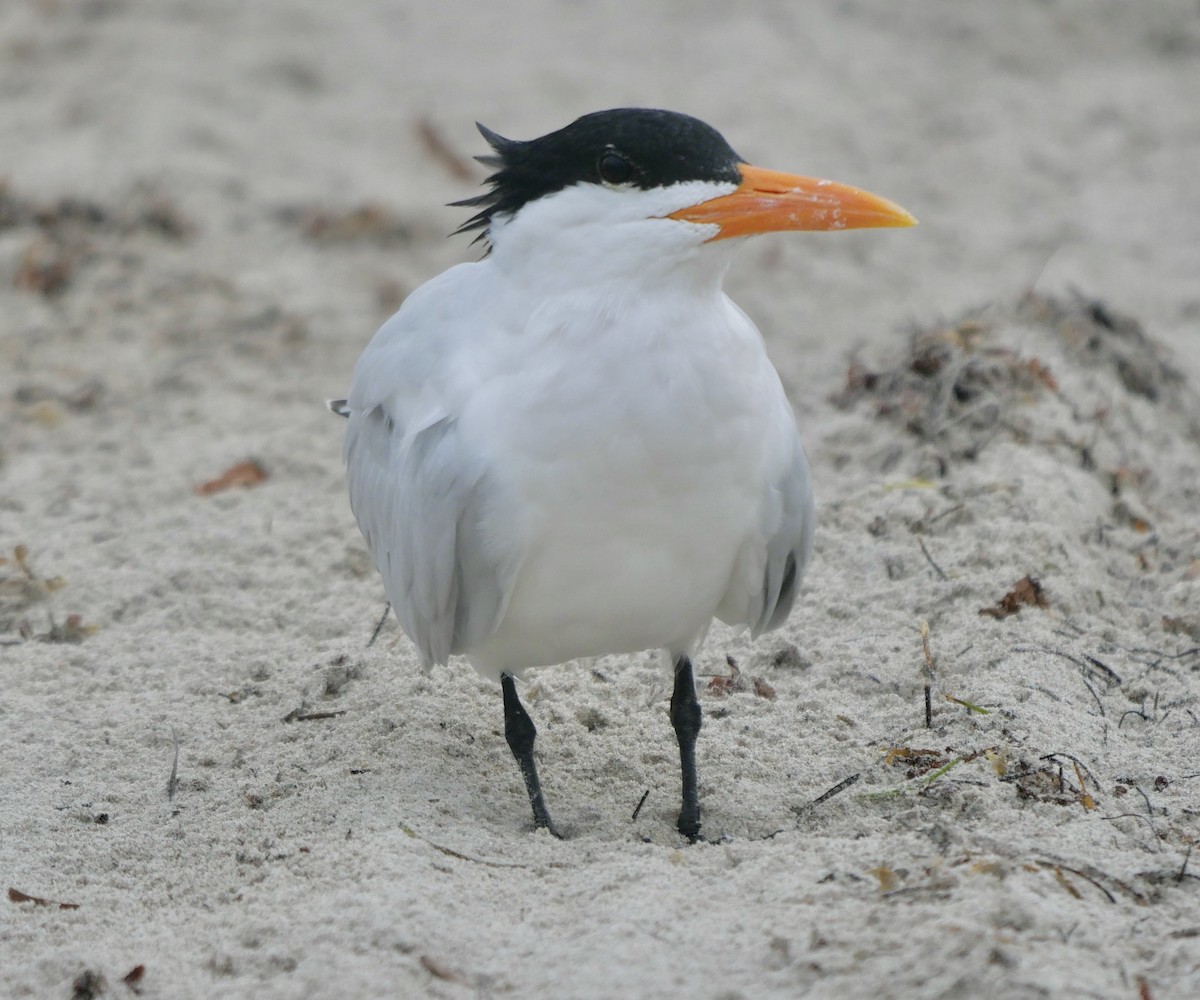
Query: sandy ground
209, 207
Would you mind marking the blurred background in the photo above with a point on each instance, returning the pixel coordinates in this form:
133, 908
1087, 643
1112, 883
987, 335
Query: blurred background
1047, 143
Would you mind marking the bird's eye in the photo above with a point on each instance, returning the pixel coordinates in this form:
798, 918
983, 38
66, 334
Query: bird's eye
614, 168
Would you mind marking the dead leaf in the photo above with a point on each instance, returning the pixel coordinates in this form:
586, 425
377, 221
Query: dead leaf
1025, 591
45, 268
920, 762
246, 474
17, 896
72, 631
736, 682
888, 879
908, 753
998, 758
1189, 626
730, 684
1085, 799
1066, 883
1041, 374
436, 968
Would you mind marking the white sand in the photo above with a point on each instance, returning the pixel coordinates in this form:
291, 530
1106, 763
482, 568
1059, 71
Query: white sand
386, 851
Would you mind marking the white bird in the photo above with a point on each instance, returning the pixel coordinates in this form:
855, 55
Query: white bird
578, 445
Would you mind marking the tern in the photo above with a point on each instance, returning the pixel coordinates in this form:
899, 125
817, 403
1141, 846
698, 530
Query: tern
577, 445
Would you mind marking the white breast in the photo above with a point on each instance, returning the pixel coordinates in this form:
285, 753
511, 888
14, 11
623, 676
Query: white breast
633, 455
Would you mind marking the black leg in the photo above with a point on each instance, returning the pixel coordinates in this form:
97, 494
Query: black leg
520, 733
685, 717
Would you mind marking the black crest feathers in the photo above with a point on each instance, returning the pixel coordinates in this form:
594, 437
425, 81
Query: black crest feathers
635, 147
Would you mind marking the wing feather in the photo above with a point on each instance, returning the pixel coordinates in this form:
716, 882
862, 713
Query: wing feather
790, 546
771, 567
421, 502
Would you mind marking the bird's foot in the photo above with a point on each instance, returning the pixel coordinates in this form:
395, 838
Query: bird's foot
689, 821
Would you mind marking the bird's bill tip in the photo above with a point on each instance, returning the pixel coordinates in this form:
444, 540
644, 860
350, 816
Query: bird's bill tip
769, 201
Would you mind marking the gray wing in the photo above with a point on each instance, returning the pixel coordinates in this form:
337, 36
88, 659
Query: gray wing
789, 533
419, 500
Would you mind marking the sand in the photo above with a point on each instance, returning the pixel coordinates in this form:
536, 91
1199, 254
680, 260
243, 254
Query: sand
208, 209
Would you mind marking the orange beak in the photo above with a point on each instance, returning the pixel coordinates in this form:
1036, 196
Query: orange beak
768, 201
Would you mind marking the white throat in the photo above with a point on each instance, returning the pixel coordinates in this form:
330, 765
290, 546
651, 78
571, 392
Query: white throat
589, 236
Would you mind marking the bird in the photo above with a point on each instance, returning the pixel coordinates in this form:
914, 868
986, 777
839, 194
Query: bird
577, 444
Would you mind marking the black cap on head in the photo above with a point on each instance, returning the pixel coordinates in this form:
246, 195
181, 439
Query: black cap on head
639, 147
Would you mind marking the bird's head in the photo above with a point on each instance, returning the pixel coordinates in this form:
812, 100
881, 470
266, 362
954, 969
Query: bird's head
648, 185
